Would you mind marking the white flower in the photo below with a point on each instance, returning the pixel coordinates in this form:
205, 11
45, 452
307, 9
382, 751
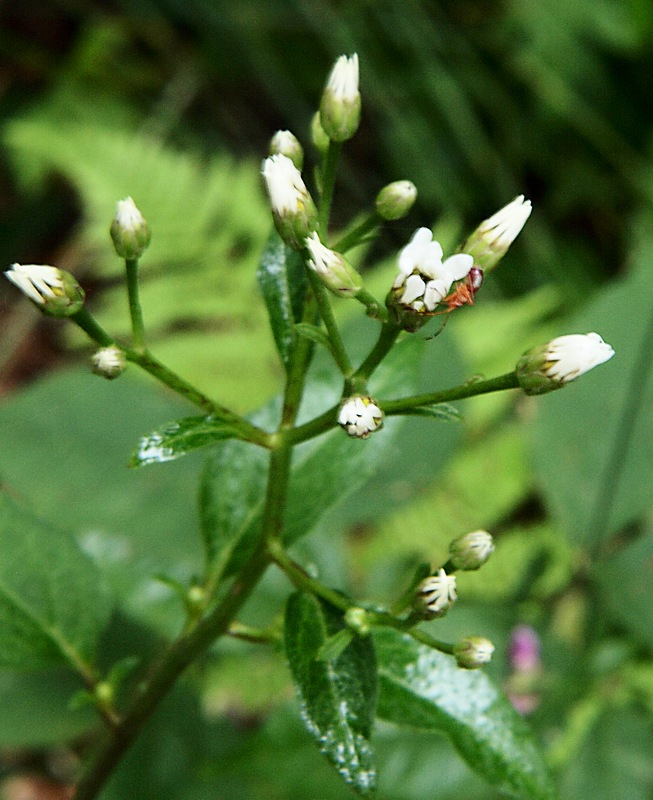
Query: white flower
343, 80
340, 106
129, 230
53, 290
293, 210
491, 240
360, 416
425, 277
472, 550
554, 364
36, 281
109, 362
569, 356
286, 188
332, 268
438, 592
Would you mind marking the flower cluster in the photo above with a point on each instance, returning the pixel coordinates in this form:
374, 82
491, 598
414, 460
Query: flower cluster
436, 594
360, 416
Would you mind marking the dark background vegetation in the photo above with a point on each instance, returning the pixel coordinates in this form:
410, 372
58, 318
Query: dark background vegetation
174, 102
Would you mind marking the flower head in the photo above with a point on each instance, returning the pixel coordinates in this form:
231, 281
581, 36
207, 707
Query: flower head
473, 652
436, 594
396, 199
129, 230
554, 364
293, 210
424, 279
491, 240
286, 143
340, 107
333, 269
472, 550
53, 291
360, 416
109, 362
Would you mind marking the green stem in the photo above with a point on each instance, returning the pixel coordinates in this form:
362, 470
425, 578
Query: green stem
329, 169
355, 236
150, 364
407, 404
135, 311
179, 656
337, 348
387, 337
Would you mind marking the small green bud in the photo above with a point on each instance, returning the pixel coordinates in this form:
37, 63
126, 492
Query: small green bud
490, 241
293, 209
396, 199
435, 595
332, 268
472, 550
318, 136
129, 231
473, 652
53, 291
360, 416
109, 362
285, 143
552, 365
340, 107
358, 620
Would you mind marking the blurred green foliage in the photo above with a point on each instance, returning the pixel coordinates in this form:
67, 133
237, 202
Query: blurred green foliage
173, 102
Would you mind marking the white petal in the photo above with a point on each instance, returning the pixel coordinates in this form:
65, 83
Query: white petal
457, 267
414, 288
434, 292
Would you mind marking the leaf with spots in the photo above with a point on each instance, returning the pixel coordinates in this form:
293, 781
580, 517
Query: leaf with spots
337, 696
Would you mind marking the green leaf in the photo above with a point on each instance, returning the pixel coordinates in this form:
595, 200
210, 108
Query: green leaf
592, 440
423, 688
325, 470
337, 697
624, 581
176, 439
282, 280
52, 608
444, 412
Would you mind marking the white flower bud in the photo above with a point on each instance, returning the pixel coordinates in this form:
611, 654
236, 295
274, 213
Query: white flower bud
473, 652
285, 143
333, 269
360, 416
109, 362
396, 199
340, 107
554, 364
436, 594
293, 210
491, 240
129, 230
53, 291
472, 550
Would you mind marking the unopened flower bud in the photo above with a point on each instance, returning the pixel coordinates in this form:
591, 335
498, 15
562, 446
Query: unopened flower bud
293, 209
53, 291
472, 550
332, 268
109, 362
318, 136
436, 594
358, 620
554, 364
396, 199
490, 241
285, 143
473, 652
129, 231
340, 107
360, 416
